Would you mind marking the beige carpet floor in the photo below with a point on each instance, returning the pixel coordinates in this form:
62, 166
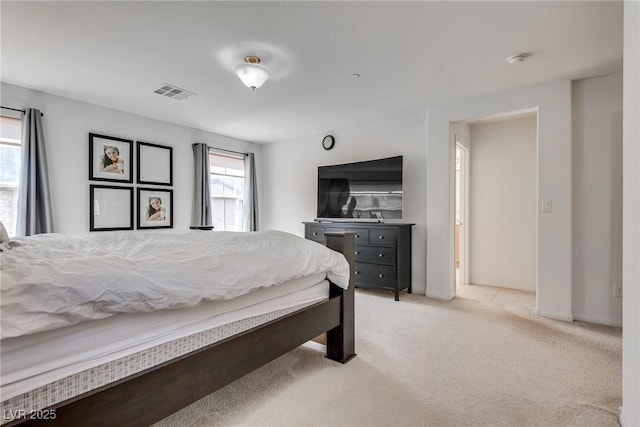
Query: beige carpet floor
423, 362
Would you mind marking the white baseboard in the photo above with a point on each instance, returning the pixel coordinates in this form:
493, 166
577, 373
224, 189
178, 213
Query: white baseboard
621, 420
565, 317
439, 296
606, 322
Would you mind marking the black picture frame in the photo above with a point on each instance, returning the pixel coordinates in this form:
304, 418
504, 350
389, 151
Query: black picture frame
121, 171
110, 208
154, 164
158, 219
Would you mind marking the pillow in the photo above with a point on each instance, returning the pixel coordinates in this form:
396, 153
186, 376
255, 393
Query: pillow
4, 238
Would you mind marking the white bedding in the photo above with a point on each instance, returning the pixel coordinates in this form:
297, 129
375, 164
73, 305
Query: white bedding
51, 281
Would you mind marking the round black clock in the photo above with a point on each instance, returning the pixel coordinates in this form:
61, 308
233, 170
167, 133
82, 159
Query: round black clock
328, 142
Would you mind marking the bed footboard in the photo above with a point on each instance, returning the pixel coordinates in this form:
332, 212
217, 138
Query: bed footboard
149, 396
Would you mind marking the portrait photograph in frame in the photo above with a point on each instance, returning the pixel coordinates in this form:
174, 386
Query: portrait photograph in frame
110, 158
155, 164
155, 208
110, 208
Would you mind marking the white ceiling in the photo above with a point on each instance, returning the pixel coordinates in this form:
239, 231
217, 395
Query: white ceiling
409, 55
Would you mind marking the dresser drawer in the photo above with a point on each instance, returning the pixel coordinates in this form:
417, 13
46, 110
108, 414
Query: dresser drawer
361, 236
382, 237
376, 255
375, 275
315, 233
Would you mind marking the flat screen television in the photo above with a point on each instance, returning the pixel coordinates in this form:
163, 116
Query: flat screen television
368, 191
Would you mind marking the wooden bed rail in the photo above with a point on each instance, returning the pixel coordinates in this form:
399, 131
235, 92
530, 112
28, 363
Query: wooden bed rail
149, 396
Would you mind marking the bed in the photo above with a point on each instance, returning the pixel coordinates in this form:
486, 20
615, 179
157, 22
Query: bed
75, 353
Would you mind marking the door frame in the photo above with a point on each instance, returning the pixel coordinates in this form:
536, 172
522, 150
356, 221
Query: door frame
464, 239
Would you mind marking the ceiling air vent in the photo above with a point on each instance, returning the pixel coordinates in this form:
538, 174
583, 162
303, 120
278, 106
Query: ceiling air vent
173, 92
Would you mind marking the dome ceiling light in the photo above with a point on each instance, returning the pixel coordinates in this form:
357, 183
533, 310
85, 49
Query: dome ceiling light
252, 74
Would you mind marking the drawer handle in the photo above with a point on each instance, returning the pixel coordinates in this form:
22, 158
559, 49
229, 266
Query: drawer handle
357, 272
380, 237
381, 275
357, 252
380, 255
357, 236
315, 233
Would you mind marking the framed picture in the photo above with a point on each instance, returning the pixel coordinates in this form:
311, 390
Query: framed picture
155, 164
155, 208
110, 208
110, 158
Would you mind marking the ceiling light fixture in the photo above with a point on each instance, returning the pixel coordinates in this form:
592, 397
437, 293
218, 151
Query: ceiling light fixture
252, 74
517, 58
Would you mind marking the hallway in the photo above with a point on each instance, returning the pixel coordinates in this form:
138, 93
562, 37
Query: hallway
509, 299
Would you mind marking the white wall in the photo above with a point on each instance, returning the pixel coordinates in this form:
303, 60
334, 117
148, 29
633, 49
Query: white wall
597, 199
67, 124
503, 203
630, 415
290, 175
553, 104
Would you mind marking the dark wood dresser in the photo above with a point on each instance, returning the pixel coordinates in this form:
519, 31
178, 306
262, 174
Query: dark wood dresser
382, 252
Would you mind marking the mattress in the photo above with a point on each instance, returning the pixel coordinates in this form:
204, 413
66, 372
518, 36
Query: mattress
51, 281
42, 369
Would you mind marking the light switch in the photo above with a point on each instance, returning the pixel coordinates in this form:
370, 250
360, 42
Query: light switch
546, 205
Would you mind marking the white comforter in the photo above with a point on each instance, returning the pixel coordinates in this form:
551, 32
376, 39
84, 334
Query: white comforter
53, 280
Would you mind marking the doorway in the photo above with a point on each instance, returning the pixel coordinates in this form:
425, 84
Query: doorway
495, 212
461, 212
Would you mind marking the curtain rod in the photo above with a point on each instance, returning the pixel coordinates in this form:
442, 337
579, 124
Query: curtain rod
229, 151
15, 109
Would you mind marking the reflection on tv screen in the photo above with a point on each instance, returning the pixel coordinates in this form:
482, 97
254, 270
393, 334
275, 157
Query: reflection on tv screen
362, 190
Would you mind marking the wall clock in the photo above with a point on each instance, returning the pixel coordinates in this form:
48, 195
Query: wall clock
328, 142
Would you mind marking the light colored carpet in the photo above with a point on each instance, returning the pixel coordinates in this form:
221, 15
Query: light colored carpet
423, 362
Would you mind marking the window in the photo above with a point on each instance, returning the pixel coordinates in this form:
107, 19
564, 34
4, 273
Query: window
227, 174
10, 140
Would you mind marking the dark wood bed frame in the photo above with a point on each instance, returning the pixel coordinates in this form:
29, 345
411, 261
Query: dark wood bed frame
149, 396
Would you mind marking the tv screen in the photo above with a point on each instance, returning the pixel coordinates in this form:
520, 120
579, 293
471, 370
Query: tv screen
369, 190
